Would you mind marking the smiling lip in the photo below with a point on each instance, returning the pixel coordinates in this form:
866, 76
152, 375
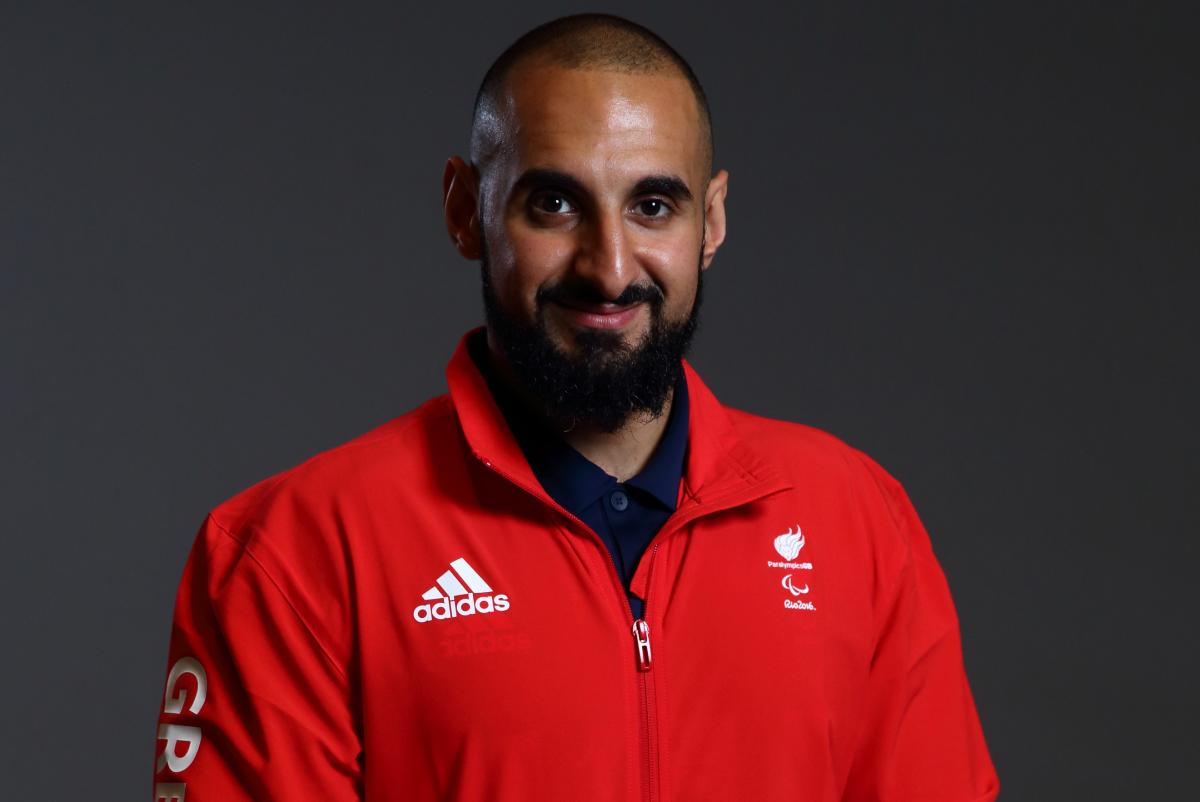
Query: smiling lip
600, 316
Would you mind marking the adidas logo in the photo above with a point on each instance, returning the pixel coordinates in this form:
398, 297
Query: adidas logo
451, 598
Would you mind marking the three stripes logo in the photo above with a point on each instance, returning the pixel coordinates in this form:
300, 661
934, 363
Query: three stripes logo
458, 592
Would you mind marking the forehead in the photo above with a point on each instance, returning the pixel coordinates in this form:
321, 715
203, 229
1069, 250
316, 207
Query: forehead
600, 121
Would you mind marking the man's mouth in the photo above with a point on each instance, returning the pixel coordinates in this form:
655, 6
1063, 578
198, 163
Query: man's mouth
599, 316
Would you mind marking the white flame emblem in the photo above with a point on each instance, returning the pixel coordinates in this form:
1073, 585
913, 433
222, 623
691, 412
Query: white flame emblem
789, 543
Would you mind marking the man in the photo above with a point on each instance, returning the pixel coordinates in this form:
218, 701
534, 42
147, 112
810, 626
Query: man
577, 575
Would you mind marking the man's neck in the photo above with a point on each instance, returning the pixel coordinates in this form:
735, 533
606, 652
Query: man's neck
621, 454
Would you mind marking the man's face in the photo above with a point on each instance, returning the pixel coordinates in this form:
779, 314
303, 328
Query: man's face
592, 225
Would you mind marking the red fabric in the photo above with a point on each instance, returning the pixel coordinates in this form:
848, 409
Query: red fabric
295, 617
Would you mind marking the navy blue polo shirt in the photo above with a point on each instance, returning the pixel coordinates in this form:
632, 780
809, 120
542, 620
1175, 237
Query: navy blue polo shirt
626, 515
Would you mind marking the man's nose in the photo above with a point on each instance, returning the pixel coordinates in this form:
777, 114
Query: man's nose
605, 255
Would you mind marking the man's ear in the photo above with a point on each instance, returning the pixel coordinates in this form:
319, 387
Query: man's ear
460, 205
714, 216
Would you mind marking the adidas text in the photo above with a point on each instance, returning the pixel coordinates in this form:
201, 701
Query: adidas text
461, 606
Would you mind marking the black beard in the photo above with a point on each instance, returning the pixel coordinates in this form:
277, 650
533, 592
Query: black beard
609, 381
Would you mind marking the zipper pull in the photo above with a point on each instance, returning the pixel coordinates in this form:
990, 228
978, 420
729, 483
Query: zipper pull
641, 634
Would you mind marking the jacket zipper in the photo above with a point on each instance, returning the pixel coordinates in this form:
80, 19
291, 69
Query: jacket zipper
641, 638
649, 718
643, 661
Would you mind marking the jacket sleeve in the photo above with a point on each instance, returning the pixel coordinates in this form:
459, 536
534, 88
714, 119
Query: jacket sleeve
920, 737
254, 707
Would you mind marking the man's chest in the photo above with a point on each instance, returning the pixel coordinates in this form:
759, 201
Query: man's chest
500, 640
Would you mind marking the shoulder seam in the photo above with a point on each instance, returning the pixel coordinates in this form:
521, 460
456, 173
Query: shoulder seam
308, 628
888, 494
890, 503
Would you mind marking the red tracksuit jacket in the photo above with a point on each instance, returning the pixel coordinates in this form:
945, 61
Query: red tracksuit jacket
409, 616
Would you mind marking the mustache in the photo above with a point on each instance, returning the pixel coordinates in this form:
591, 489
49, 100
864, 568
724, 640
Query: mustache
572, 292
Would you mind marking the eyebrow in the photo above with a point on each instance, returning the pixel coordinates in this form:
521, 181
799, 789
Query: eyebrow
670, 185
666, 184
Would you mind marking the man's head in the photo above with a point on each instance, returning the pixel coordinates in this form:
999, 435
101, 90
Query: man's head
582, 42
589, 202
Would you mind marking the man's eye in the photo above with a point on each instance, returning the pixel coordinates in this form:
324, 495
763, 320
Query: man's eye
654, 207
552, 203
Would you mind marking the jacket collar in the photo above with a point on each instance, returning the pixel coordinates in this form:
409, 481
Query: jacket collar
721, 469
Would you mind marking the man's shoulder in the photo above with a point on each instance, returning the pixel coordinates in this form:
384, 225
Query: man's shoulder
294, 531
402, 448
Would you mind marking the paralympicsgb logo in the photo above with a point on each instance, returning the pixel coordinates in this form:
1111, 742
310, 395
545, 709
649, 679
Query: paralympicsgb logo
789, 545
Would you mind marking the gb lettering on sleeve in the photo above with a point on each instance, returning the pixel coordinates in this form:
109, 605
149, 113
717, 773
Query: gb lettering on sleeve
181, 742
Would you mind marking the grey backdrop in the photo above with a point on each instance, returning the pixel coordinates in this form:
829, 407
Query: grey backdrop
963, 238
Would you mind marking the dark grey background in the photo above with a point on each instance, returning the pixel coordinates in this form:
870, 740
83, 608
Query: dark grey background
962, 238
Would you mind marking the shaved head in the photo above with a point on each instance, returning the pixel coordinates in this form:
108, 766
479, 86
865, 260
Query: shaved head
582, 42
